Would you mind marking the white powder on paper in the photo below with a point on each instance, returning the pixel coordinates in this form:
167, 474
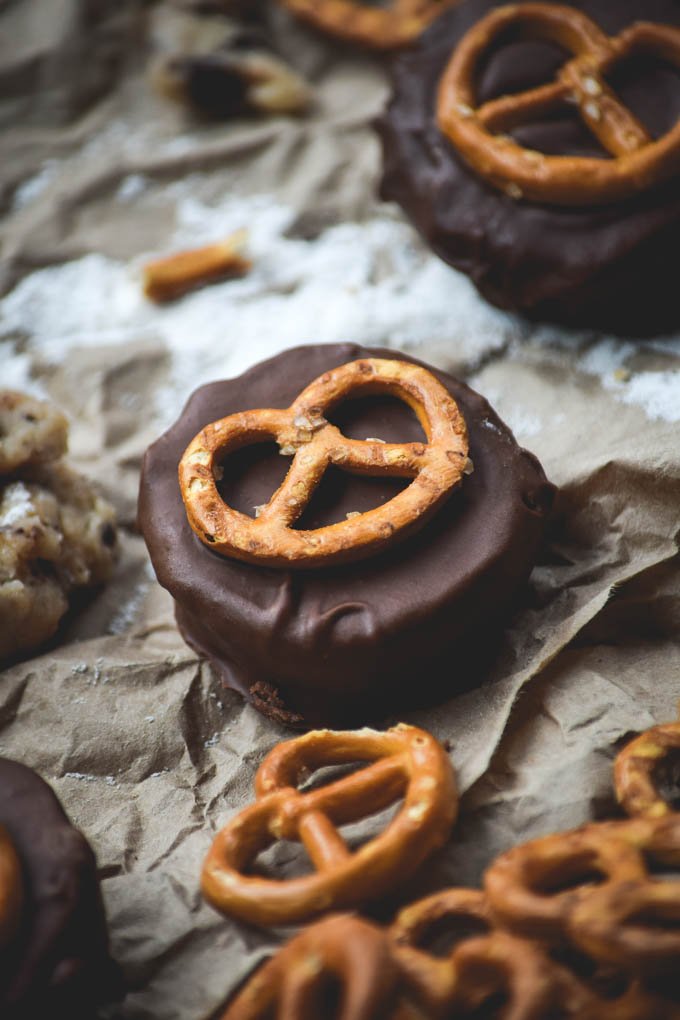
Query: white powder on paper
656, 392
369, 282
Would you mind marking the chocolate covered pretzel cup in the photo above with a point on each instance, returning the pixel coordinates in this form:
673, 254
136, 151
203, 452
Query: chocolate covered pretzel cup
348, 644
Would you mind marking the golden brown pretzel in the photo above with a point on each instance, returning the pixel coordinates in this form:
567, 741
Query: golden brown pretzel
479, 968
407, 762
636, 771
480, 133
11, 888
384, 28
592, 888
532, 888
270, 539
292, 983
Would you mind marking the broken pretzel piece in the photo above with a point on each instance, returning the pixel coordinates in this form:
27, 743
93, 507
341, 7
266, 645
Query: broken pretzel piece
169, 278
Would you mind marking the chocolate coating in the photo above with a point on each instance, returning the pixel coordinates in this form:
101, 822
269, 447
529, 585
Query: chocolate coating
347, 644
58, 959
610, 267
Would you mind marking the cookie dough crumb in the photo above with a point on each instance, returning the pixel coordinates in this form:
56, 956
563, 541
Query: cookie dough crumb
31, 431
56, 532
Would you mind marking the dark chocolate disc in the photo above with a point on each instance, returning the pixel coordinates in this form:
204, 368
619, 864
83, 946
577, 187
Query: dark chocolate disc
58, 958
353, 643
613, 267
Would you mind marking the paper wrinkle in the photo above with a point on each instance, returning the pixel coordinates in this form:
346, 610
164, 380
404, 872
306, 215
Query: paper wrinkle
148, 752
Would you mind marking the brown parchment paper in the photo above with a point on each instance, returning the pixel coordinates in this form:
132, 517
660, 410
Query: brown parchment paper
149, 754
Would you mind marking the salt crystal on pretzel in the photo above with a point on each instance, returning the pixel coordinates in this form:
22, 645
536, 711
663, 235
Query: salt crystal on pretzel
480, 133
270, 539
406, 762
169, 278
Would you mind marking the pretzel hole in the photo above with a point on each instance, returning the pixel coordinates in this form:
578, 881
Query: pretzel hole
379, 416
442, 935
513, 64
330, 774
250, 475
666, 778
283, 860
340, 493
566, 875
650, 88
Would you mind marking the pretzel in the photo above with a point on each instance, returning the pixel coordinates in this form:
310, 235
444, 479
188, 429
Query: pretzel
169, 278
11, 888
479, 968
384, 28
291, 984
637, 771
407, 762
481, 133
301, 430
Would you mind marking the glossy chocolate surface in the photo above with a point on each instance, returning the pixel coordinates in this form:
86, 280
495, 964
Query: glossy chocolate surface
58, 960
354, 643
613, 267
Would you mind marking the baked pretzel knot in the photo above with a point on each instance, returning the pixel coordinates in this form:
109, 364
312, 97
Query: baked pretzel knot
641, 768
342, 951
480, 133
11, 888
301, 430
383, 28
407, 762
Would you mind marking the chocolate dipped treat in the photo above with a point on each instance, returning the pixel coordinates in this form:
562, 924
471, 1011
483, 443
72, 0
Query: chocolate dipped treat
53, 939
347, 643
496, 205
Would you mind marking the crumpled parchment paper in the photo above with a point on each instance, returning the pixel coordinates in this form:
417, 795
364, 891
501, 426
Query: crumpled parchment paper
146, 750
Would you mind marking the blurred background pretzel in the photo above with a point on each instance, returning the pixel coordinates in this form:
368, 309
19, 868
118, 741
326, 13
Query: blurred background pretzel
301, 431
341, 953
407, 762
11, 888
379, 28
481, 133
641, 767
482, 966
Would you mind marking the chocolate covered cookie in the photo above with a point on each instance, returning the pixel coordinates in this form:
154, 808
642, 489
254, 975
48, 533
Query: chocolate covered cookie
53, 939
552, 177
346, 643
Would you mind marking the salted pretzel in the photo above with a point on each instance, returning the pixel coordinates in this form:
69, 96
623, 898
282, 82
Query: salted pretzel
383, 28
11, 888
481, 133
352, 953
407, 762
302, 431
638, 771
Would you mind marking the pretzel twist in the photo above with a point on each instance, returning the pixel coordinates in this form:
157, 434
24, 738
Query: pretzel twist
407, 762
11, 888
481, 133
638, 770
292, 983
378, 28
270, 539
